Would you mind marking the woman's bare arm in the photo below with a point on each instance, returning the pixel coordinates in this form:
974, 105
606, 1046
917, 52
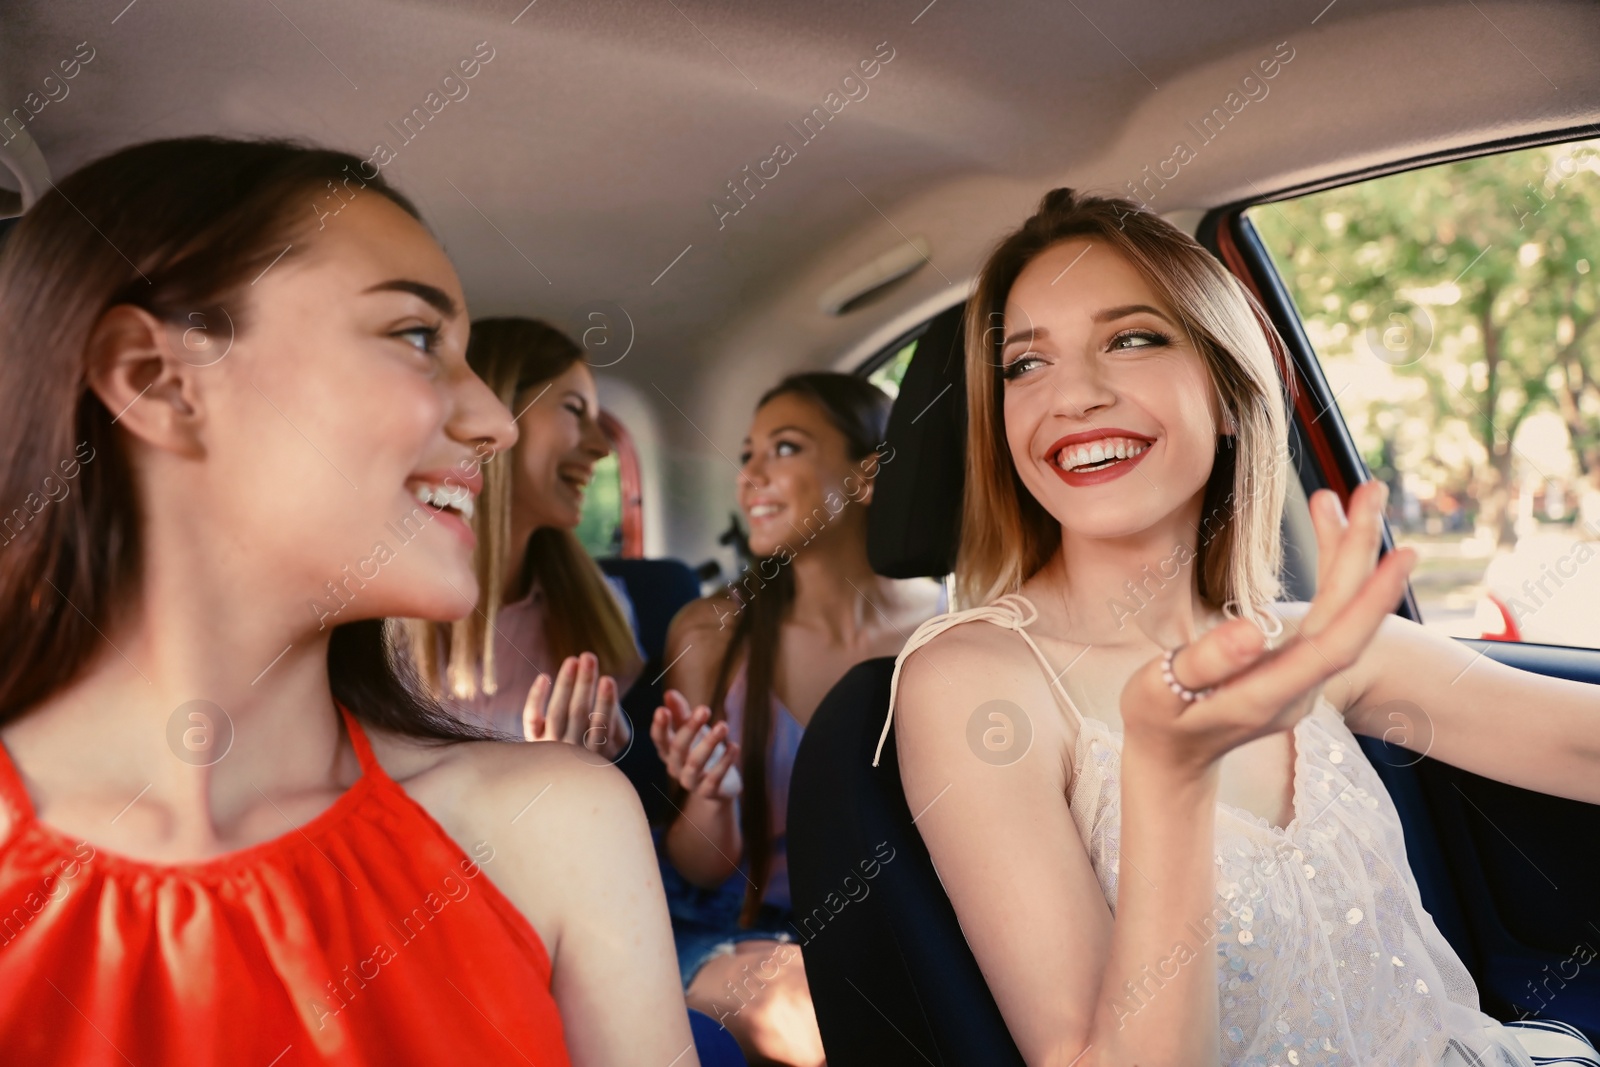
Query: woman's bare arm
703, 842
1068, 979
1436, 696
565, 839
1075, 985
1443, 699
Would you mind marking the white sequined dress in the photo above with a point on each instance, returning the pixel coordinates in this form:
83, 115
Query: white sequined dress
1325, 955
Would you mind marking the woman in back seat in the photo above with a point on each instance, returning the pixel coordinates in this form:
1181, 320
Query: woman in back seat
514, 665
229, 832
807, 609
1185, 858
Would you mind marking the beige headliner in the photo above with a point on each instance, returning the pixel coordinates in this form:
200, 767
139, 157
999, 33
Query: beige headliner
585, 157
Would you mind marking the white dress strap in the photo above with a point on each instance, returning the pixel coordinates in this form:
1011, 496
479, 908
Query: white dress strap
1012, 611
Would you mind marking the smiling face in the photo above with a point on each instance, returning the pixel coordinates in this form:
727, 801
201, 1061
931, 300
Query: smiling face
343, 404
561, 441
1110, 414
794, 464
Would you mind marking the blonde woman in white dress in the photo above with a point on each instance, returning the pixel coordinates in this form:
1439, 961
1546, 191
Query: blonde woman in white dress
1186, 859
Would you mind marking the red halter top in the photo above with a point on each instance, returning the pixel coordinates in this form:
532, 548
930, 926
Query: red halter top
366, 936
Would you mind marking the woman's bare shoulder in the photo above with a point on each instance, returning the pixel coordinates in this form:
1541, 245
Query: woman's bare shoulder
971, 663
539, 807
974, 706
697, 639
706, 617
471, 780
489, 789
972, 636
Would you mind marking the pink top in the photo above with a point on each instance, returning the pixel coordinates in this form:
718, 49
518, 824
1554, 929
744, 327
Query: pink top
521, 654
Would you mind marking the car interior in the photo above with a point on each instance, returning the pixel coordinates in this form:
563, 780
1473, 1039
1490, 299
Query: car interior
711, 195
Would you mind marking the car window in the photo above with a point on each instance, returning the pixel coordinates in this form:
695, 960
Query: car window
600, 525
891, 372
1455, 314
600, 528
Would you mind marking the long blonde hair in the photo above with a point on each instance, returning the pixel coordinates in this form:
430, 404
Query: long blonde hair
1007, 535
512, 355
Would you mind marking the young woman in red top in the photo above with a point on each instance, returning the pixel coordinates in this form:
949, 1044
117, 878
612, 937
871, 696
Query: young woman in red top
239, 433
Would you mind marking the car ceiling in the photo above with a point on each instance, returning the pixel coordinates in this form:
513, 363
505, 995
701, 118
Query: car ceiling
578, 173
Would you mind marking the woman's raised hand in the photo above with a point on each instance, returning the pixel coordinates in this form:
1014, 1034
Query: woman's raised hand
1256, 691
689, 749
579, 706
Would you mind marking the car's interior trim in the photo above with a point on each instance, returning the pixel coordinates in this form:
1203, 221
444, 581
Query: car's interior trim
883, 355
1318, 425
1556, 661
1476, 150
631, 485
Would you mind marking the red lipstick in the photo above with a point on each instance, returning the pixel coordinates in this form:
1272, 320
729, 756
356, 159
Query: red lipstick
1111, 472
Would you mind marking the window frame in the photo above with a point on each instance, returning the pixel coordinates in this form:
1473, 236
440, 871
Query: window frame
631, 485
869, 366
1324, 450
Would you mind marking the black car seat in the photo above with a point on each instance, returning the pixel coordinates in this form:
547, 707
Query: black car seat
890, 971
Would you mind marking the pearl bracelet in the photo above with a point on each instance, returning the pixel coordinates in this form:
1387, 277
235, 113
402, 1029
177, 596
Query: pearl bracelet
1188, 696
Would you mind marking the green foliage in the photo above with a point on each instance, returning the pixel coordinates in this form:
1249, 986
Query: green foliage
600, 528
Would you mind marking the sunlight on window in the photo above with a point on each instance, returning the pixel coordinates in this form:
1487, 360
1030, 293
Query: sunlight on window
600, 528
893, 371
1454, 314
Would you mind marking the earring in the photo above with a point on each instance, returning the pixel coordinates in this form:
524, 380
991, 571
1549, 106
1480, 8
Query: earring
1270, 625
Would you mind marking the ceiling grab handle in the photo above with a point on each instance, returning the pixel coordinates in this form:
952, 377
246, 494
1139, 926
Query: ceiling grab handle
23, 159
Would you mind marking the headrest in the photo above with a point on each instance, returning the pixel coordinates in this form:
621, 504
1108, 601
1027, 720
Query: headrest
914, 523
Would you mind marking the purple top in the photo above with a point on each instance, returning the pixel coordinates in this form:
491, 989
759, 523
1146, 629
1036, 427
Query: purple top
785, 742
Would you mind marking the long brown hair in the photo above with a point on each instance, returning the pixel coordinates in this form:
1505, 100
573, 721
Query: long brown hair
860, 411
1007, 535
513, 355
178, 228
